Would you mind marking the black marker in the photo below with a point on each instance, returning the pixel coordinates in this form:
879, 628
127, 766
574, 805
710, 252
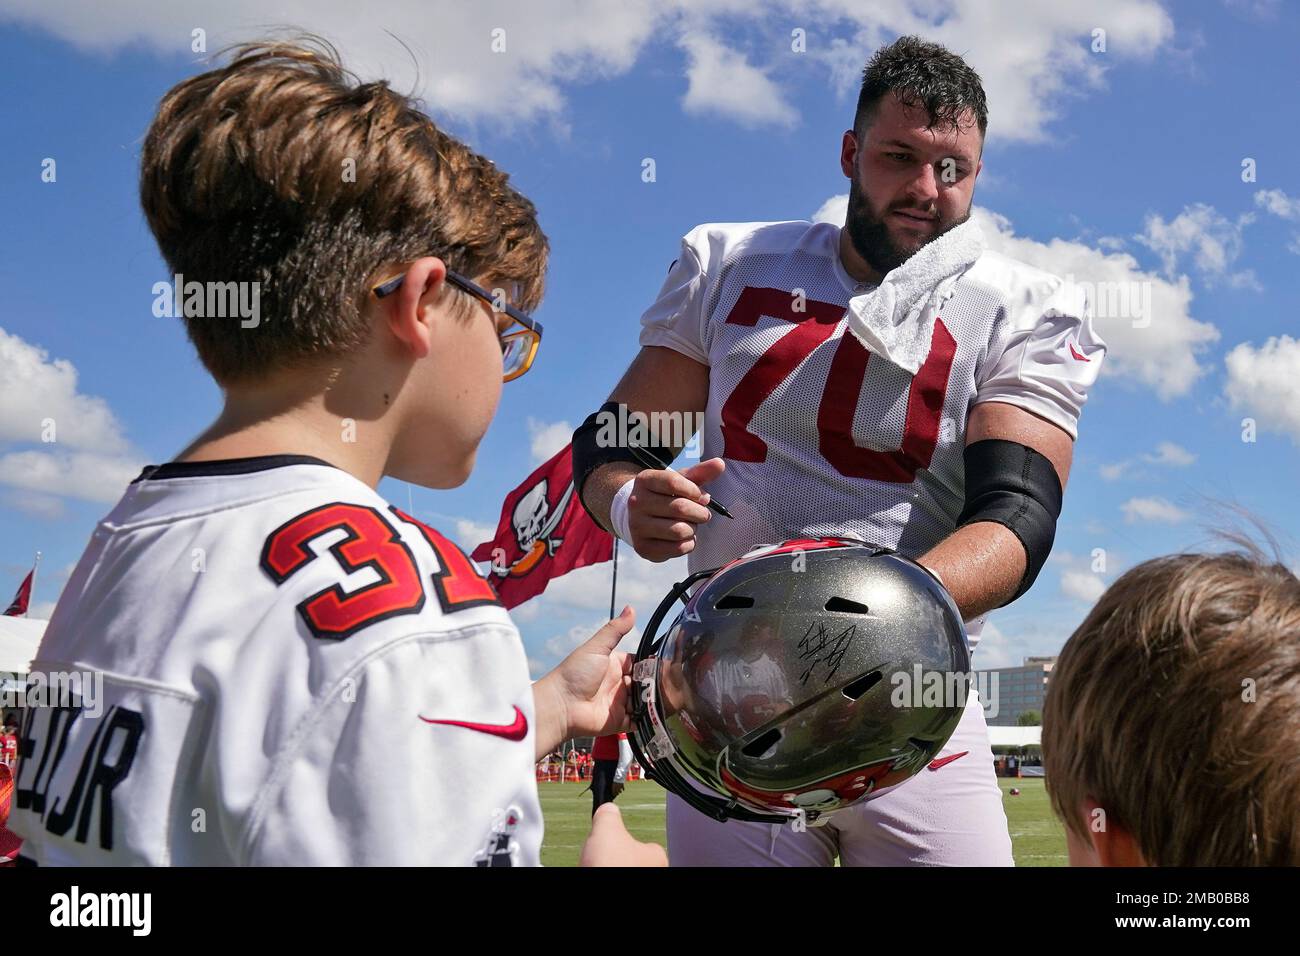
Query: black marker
650, 461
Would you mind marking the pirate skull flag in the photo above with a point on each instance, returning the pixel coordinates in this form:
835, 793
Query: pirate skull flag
544, 532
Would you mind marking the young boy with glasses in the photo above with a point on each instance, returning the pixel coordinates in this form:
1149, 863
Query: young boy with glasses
294, 671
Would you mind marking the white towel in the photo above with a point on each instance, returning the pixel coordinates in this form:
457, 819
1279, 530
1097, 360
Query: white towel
896, 319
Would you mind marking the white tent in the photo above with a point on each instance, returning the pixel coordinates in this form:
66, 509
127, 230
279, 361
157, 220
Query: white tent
19, 638
1016, 736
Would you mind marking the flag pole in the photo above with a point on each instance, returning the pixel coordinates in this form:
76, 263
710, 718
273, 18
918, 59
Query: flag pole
613, 584
31, 596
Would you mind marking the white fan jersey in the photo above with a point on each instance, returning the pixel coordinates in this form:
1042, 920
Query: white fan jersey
820, 436
281, 669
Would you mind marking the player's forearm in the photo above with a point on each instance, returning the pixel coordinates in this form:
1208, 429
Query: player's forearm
981, 565
602, 485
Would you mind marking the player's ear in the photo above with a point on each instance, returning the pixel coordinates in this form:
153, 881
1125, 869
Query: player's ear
413, 307
849, 154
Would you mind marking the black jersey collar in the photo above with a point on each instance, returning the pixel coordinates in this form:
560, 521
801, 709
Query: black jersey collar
225, 466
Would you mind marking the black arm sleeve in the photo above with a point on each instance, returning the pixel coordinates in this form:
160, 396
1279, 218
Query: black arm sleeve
603, 438
1017, 487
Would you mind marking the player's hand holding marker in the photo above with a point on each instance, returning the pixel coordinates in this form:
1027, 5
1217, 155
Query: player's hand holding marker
665, 506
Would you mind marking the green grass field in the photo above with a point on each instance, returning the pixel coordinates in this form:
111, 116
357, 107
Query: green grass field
1037, 839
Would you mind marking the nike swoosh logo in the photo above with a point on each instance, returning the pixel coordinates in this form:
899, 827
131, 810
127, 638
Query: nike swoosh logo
515, 730
1077, 354
939, 763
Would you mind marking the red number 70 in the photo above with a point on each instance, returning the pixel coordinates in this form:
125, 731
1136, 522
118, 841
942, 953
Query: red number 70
840, 397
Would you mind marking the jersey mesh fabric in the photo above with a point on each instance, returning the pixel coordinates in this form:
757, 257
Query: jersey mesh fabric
992, 317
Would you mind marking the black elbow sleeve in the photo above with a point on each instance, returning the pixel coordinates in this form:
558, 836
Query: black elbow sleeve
606, 435
1017, 487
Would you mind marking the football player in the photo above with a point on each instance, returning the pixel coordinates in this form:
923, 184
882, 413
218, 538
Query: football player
293, 670
611, 756
890, 380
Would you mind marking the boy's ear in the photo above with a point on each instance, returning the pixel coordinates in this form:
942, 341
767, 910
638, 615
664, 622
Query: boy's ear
1111, 842
408, 313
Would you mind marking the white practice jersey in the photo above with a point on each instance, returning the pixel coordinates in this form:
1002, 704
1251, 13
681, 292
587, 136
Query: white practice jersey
293, 672
820, 436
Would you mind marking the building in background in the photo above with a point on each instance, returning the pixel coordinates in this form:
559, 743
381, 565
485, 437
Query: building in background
1018, 689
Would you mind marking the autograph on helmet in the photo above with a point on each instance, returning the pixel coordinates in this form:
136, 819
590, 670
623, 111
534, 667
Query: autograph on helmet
817, 644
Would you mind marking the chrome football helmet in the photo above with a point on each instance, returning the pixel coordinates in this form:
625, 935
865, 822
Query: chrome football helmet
774, 695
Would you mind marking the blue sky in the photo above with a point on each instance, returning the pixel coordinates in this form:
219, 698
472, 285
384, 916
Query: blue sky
1117, 165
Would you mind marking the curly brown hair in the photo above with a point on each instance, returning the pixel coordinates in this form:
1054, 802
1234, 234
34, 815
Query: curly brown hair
925, 75
282, 168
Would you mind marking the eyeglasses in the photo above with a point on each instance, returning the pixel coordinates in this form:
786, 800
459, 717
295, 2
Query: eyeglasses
519, 340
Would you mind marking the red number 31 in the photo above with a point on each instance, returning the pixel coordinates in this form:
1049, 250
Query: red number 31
369, 542
840, 397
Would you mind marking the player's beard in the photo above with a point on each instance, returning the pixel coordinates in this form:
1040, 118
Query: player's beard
869, 233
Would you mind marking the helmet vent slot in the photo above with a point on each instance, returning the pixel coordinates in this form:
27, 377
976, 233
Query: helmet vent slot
733, 601
845, 606
761, 744
857, 688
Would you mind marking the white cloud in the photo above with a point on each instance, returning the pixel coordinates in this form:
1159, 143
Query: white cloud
583, 596
1159, 348
641, 583
81, 449
1279, 204
561, 645
1001, 645
1082, 585
470, 534
528, 611
1265, 382
37, 505
722, 81
1152, 509
1032, 57
1084, 578
82, 475
442, 49
1167, 454
39, 401
1259, 9
1213, 242
546, 438
40, 610
1151, 337
834, 210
